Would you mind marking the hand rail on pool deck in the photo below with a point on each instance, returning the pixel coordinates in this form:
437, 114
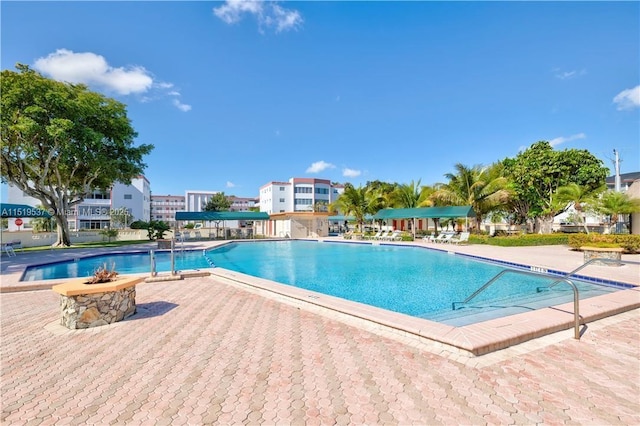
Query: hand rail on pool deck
576, 296
565, 279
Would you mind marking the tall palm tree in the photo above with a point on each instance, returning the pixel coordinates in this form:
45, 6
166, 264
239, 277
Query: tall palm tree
616, 203
581, 197
480, 187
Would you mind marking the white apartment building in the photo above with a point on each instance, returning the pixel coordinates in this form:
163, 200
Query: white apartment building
94, 212
298, 195
194, 200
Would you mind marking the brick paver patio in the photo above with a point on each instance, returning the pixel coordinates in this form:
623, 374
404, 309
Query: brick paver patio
202, 352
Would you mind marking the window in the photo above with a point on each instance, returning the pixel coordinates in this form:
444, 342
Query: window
127, 196
322, 191
282, 188
282, 200
303, 201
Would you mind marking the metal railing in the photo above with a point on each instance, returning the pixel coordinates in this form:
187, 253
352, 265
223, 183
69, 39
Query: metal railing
576, 295
565, 279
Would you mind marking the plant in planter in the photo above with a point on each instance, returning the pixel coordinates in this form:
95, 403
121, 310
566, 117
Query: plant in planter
103, 275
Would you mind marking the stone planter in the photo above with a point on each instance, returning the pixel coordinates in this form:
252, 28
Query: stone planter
602, 253
91, 305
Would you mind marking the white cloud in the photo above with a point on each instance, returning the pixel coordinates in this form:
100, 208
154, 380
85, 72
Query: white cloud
563, 139
181, 106
628, 99
351, 173
565, 75
230, 184
320, 166
94, 71
268, 13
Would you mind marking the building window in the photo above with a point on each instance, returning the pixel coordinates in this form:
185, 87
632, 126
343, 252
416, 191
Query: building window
282, 200
282, 188
127, 196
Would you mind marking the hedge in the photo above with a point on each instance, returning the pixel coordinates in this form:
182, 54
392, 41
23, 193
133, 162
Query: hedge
521, 240
630, 243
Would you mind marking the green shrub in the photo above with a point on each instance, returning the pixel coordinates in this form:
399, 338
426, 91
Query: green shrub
630, 243
522, 240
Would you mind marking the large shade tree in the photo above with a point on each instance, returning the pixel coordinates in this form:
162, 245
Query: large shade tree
61, 141
537, 173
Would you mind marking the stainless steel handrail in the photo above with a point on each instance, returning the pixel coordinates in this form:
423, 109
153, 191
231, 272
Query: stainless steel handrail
576, 295
565, 279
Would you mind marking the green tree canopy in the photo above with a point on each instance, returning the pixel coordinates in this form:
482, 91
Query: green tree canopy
537, 173
480, 187
61, 141
357, 202
614, 204
218, 203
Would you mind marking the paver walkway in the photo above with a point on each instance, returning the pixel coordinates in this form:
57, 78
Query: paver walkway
202, 352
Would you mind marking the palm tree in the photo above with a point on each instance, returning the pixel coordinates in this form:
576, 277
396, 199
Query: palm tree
357, 202
480, 187
580, 196
616, 203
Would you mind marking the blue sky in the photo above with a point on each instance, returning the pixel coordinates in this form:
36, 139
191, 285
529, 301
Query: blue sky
237, 94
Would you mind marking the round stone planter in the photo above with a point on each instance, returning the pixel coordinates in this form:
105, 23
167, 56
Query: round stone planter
91, 305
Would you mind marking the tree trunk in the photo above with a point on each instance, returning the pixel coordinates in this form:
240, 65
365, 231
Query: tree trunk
544, 224
63, 226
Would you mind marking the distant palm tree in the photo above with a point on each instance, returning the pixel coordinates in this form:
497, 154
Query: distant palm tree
477, 186
357, 202
581, 197
616, 203
406, 195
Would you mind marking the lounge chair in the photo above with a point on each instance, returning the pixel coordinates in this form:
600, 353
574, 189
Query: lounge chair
375, 236
444, 237
463, 237
429, 238
383, 235
394, 236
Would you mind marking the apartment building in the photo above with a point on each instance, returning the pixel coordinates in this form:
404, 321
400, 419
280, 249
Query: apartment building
164, 208
298, 195
95, 211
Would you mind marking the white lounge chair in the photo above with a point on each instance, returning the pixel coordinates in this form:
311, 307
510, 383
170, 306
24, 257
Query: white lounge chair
383, 235
394, 236
375, 236
429, 238
444, 237
463, 237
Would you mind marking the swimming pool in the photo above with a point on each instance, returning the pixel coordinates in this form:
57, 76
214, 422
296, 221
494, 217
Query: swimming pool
410, 280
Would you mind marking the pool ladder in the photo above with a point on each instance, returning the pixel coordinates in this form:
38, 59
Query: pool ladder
565, 279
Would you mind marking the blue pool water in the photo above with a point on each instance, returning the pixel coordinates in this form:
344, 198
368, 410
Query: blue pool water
410, 280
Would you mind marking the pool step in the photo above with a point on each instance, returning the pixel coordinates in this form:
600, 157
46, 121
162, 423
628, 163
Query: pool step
478, 312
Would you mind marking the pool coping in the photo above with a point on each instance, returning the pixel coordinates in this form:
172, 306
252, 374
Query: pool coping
478, 338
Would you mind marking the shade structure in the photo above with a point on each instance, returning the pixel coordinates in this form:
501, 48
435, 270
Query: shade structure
22, 210
426, 212
342, 218
213, 216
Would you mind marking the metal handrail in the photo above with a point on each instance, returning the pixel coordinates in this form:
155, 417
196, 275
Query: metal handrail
576, 295
589, 262
565, 279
